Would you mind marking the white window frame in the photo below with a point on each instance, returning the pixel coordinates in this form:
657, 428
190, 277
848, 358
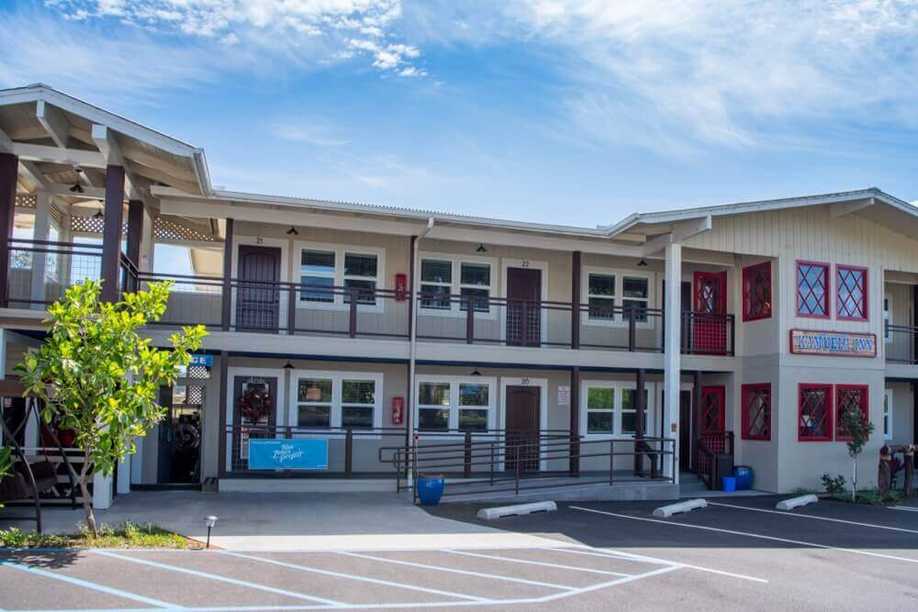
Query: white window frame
340, 251
337, 377
618, 320
888, 414
619, 388
454, 382
456, 286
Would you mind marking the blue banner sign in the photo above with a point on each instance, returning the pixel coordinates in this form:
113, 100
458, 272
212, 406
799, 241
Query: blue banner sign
832, 343
202, 360
275, 454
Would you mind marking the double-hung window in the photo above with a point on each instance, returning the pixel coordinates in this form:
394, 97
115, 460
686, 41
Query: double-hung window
349, 400
615, 296
887, 414
331, 274
812, 289
450, 403
609, 408
851, 297
450, 284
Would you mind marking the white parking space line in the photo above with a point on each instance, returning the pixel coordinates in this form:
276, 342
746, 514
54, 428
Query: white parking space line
90, 585
749, 534
818, 518
441, 568
315, 570
907, 508
218, 578
531, 562
616, 554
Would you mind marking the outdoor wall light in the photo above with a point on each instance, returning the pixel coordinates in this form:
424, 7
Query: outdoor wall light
292, 231
642, 263
210, 521
288, 366
98, 215
481, 248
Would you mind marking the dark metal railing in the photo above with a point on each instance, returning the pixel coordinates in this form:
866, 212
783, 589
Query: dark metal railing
714, 457
901, 343
41, 270
505, 464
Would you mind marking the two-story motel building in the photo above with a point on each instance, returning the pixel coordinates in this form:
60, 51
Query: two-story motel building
747, 326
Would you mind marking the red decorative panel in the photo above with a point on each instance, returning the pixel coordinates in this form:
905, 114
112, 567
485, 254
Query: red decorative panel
846, 398
757, 292
851, 295
813, 289
756, 411
814, 413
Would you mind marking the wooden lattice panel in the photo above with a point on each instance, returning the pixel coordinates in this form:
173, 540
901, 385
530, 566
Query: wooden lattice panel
172, 229
26, 200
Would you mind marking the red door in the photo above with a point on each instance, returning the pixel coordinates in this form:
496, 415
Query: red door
711, 424
522, 432
709, 325
524, 312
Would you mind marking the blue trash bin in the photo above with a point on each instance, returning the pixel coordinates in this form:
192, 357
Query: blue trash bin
430, 489
729, 483
744, 477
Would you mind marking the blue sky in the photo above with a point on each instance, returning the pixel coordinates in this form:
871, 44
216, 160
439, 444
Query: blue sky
565, 111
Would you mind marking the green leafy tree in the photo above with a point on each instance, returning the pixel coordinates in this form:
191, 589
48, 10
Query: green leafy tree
96, 375
858, 429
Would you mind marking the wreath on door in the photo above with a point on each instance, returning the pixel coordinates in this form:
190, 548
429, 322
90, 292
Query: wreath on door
255, 404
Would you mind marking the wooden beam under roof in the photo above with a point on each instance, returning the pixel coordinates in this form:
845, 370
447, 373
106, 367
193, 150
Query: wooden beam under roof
54, 122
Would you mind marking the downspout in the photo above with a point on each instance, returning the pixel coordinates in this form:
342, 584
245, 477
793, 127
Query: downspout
413, 340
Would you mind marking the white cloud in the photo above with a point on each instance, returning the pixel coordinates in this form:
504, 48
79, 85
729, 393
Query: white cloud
317, 133
283, 28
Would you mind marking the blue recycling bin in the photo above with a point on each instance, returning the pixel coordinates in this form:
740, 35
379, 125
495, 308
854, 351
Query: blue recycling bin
430, 489
729, 484
744, 477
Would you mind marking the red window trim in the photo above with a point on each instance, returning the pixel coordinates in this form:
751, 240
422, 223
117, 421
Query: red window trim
747, 271
865, 408
745, 391
866, 271
830, 413
828, 298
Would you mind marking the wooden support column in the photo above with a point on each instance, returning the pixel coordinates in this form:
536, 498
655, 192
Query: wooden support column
9, 174
39, 260
111, 232
574, 466
224, 395
694, 412
227, 275
575, 298
640, 415
134, 231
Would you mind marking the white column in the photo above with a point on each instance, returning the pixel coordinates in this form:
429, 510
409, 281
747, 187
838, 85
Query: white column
137, 462
672, 356
124, 476
39, 260
101, 491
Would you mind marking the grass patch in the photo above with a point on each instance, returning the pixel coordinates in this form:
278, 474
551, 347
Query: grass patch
125, 535
869, 496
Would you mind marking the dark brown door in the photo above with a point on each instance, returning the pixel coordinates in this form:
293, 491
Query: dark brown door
524, 313
522, 431
258, 296
254, 414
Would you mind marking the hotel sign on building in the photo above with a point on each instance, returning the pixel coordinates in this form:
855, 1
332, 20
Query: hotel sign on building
836, 344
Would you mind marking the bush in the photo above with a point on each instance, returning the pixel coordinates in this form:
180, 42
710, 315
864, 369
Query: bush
125, 535
833, 486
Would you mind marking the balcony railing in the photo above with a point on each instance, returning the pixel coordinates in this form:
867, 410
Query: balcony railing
901, 344
41, 271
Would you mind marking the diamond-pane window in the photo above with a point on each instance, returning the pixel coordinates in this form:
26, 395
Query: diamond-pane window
757, 412
812, 289
849, 397
814, 422
852, 293
757, 292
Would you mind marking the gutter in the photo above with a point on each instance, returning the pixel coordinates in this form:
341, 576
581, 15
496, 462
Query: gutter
413, 341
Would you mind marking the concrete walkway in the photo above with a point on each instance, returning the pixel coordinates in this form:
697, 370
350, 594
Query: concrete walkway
295, 521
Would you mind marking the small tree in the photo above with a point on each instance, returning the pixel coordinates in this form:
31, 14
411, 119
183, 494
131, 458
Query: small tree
858, 428
96, 375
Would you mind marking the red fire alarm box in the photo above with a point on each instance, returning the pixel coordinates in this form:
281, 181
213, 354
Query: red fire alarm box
398, 410
401, 286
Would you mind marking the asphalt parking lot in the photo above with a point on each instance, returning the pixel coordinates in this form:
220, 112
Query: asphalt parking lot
739, 553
